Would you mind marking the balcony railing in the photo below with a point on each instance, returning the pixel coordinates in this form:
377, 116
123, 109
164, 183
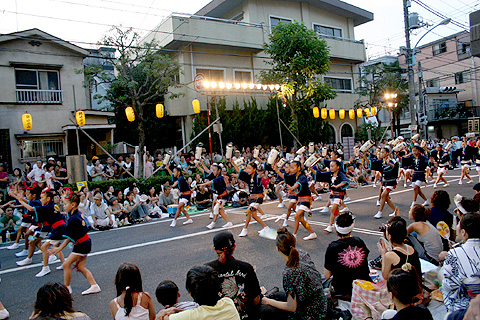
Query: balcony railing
39, 96
451, 111
30, 149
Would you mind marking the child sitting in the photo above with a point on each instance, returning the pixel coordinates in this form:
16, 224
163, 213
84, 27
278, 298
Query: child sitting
167, 295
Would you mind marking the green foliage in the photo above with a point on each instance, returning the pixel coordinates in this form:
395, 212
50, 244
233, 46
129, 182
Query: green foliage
361, 133
299, 57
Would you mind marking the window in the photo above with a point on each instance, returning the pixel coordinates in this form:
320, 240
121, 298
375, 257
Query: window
327, 31
439, 48
37, 86
212, 74
433, 82
274, 21
462, 77
44, 148
243, 76
463, 47
341, 85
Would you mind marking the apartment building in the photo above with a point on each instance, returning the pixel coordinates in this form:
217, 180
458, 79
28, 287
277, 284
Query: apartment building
38, 76
223, 42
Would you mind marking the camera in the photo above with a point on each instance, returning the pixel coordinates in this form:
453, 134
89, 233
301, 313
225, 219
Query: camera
383, 228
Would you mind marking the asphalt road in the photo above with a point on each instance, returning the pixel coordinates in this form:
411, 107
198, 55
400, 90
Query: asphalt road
162, 252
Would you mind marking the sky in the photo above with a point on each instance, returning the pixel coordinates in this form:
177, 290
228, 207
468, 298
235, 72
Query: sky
85, 22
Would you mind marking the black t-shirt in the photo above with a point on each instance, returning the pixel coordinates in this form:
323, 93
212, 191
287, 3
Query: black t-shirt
418, 312
239, 283
347, 259
202, 196
439, 215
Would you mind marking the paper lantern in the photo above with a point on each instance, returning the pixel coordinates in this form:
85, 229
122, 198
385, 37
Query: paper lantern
316, 112
160, 110
130, 114
367, 112
359, 112
196, 106
80, 117
351, 114
374, 111
341, 114
27, 121
331, 113
324, 113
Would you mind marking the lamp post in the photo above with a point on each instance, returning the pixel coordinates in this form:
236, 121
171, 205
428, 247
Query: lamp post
390, 98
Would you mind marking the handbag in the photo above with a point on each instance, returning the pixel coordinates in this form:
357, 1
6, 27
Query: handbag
365, 294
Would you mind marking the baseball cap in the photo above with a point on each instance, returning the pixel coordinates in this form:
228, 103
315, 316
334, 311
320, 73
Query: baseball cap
223, 241
51, 159
98, 196
476, 187
94, 158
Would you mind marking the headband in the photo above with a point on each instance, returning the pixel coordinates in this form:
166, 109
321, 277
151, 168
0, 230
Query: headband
458, 202
345, 230
33, 186
70, 194
46, 189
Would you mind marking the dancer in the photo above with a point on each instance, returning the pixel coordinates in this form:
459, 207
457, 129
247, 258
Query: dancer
389, 169
304, 196
289, 180
220, 187
76, 232
179, 180
443, 161
467, 156
255, 186
338, 184
418, 162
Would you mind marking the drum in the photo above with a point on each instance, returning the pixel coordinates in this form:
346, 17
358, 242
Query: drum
198, 151
172, 210
367, 145
470, 135
400, 146
273, 156
167, 157
256, 152
311, 147
301, 150
415, 137
240, 162
310, 161
229, 152
281, 162
324, 152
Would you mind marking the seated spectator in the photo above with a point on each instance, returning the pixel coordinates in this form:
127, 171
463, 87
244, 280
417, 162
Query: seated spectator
461, 263
54, 301
131, 186
84, 206
204, 286
9, 222
240, 199
401, 253
131, 302
238, 279
141, 202
430, 240
302, 282
167, 294
440, 202
165, 199
128, 167
134, 208
346, 259
99, 213
117, 210
109, 193
203, 199
404, 287
152, 198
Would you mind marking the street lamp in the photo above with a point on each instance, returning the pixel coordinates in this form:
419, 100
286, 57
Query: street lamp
390, 98
442, 23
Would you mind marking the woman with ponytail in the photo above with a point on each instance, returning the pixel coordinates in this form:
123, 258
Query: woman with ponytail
302, 282
131, 302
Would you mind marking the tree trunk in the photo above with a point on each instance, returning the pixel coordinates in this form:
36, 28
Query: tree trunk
295, 120
141, 141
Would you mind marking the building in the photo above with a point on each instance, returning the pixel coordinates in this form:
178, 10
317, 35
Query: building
38, 76
223, 42
101, 57
449, 84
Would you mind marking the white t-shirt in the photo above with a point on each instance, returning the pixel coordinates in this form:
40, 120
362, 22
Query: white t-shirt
36, 174
48, 179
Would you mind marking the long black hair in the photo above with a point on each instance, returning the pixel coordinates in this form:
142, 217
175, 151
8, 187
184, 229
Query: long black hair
128, 279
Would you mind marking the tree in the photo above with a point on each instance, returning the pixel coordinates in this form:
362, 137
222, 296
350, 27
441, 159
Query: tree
298, 58
142, 79
377, 80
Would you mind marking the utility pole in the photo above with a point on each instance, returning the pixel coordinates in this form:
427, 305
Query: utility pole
409, 53
421, 102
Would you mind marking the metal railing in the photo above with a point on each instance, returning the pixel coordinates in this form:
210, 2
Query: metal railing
30, 149
38, 96
451, 111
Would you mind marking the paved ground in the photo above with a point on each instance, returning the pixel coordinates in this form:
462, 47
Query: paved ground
162, 252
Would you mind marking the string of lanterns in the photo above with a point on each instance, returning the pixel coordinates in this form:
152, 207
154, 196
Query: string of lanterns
27, 119
325, 113
159, 112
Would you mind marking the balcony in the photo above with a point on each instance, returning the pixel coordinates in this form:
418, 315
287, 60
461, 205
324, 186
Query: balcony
178, 30
451, 111
38, 96
346, 49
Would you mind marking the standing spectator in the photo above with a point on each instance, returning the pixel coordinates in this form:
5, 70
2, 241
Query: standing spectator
99, 213
16, 177
128, 167
148, 169
346, 258
9, 222
26, 171
3, 180
97, 173
111, 169
238, 279
54, 301
159, 160
165, 199
36, 175
461, 263
301, 281
60, 174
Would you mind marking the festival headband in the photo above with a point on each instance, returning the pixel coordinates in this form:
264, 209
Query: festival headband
46, 189
345, 230
24, 186
33, 186
458, 202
